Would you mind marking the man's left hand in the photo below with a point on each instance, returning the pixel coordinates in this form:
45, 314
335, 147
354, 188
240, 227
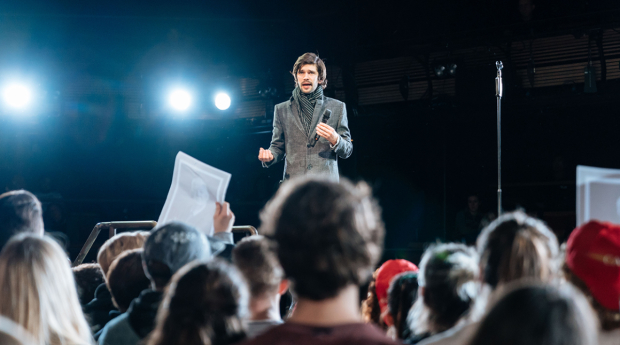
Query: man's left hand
327, 132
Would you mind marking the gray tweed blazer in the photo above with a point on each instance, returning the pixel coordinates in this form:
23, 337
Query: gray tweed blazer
301, 153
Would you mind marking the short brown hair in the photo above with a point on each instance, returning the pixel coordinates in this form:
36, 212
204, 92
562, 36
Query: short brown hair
87, 277
517, 246
116, 245
259, 265
311, 59
126, 278
20, 211
328, 234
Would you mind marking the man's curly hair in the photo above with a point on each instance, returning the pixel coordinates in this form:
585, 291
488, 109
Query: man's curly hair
328, 234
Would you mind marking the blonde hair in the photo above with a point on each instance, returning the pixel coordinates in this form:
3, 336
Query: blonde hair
116, 245
39, 293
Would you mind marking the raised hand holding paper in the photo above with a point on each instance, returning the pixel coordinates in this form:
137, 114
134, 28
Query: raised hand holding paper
195, 188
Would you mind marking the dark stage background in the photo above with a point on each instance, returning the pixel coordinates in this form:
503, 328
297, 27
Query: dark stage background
100, 146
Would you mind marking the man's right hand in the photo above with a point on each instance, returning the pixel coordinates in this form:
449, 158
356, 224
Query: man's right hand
265, 155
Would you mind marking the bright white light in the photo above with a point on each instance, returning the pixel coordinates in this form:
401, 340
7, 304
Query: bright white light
180, 99
17, 96
222, 101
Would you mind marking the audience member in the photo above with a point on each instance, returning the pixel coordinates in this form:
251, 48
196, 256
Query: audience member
593, 265
468, 221
101, 309
447, 281
371, 312
539, 315
402, 295
204, 305
20, 211
329, 237
117, 245
513, 247
166, 250
385, 274
126, 278
259, 265
87, 278
39, 293
374, 307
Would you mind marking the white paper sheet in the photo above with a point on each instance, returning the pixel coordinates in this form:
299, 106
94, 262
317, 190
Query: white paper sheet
598, 194
195, 188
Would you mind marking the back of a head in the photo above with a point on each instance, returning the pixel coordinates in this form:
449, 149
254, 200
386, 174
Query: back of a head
116, 245
259, 265
593, 265
87, 278
169, 248
516, 246
20, 211
328, 234
204, 300
126, 278
539, 315
402, 294
38, 290
448, 274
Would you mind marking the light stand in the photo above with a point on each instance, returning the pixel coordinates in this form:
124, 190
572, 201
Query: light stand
498, 93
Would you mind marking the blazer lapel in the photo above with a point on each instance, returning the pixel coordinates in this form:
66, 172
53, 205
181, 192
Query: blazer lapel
294, 108
319, 108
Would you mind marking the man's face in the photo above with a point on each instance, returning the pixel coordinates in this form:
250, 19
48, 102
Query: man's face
308, 78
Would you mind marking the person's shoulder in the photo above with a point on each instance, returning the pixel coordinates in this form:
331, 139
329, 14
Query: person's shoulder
454, 336
333, 102
118, 331
283, 104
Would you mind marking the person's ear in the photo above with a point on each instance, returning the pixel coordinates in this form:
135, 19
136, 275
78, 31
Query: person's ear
283, 286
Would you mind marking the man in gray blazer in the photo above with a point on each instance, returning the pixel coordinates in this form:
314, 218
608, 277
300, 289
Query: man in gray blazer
299, 120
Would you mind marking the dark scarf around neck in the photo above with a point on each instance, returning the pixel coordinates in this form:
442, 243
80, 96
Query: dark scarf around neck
307, 102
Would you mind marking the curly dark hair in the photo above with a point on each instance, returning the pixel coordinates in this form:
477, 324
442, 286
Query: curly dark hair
329, 234
371, 311
205, 304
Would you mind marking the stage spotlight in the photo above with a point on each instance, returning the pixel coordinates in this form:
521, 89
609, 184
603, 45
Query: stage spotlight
17, 96
452, 69
180, 99
222, 101
439, 71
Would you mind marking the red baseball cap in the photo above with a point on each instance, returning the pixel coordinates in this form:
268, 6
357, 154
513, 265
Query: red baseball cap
593, 254
385, 274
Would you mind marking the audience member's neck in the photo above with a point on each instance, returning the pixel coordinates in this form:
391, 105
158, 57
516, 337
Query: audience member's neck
265, 309
341, 309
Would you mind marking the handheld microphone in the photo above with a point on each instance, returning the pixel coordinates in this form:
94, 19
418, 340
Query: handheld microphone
326, 116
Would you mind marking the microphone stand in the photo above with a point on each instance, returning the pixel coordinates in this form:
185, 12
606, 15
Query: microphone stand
498, 93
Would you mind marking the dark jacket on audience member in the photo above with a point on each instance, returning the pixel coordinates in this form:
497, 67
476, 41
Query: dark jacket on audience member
100, 310
136, 323
293, 333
